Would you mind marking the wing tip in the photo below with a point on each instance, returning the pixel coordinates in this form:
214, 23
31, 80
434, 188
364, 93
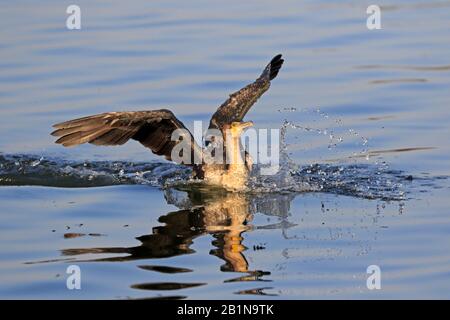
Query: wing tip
58, 125
275, 66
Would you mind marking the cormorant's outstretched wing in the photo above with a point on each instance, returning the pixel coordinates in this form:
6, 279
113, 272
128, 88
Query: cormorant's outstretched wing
153, 129
235, 108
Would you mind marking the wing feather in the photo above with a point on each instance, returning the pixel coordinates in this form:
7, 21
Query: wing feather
238, 104
153, 129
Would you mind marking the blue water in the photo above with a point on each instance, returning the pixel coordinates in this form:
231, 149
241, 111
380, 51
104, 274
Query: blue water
382, 94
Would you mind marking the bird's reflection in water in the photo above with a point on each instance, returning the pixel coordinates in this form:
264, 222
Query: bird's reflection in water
224, 215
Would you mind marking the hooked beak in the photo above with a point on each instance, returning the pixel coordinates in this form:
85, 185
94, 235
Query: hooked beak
237, 128
247, 124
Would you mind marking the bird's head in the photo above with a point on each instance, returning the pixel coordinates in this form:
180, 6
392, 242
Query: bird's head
236, 128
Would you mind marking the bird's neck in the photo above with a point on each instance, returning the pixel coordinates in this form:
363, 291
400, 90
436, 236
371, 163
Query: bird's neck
234, 155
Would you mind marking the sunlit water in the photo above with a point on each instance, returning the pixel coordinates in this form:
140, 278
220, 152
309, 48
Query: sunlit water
364, 119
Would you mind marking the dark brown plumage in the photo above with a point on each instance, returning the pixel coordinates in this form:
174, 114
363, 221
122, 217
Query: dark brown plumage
153, 129
238, 104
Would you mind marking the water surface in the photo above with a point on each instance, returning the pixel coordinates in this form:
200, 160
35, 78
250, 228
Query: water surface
365, 116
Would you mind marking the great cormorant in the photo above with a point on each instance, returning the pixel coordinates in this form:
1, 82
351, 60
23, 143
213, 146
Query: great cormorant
154, 129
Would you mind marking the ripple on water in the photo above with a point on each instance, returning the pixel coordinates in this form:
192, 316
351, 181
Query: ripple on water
359, 180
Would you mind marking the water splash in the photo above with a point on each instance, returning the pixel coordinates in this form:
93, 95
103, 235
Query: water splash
362, 180
17, 169
366, 180
355, 180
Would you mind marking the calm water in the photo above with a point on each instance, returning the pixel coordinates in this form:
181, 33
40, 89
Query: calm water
377, 189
